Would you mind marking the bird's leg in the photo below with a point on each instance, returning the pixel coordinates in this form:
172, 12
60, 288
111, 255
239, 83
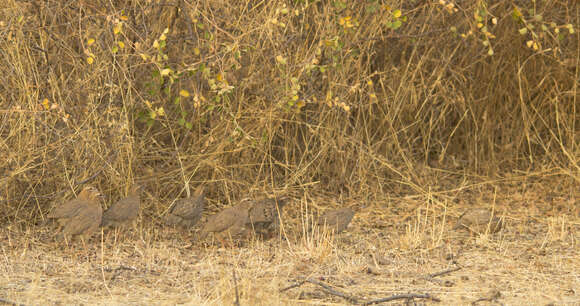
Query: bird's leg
222, 241
86, 252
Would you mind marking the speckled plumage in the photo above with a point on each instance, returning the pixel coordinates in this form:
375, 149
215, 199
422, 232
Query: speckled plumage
336, 219
479, 220
80, 216
124, 211
187, 212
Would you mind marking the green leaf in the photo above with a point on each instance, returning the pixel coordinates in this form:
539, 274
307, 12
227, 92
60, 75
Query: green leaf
188, 125
397, 24
181, 121
372, 8
339, 5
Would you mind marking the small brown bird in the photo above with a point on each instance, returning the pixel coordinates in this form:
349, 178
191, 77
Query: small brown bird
231, 222
80, 216
336, 219
265, 215
125, 211
187, 212
479, 220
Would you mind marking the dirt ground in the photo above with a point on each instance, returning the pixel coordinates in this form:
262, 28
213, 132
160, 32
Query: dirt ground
397, 245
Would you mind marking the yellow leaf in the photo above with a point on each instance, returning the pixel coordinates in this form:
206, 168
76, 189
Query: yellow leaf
166, 31
300, 104
184, 93
144, 56
156, 44
397, 13
295, 98
124, 18
45, 103
280, 59
162, 37
529, 43
117, 29
90, 41
160, 111
165, 72
121, 44
516, 13
196, 51
219, 77
90, 60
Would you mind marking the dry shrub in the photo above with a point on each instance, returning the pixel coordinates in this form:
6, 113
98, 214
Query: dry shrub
352, 97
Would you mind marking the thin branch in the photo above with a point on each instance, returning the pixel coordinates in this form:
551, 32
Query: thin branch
355, 300
403, 297
330, 290
326, 288
444, 272
446, 283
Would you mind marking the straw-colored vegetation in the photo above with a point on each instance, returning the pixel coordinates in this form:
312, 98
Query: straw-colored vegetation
411, 112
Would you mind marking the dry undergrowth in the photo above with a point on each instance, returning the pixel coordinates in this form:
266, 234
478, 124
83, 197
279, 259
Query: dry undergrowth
410, 111
391, 247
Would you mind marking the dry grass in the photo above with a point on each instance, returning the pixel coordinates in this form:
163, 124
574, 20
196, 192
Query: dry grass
322, 101
391, 247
